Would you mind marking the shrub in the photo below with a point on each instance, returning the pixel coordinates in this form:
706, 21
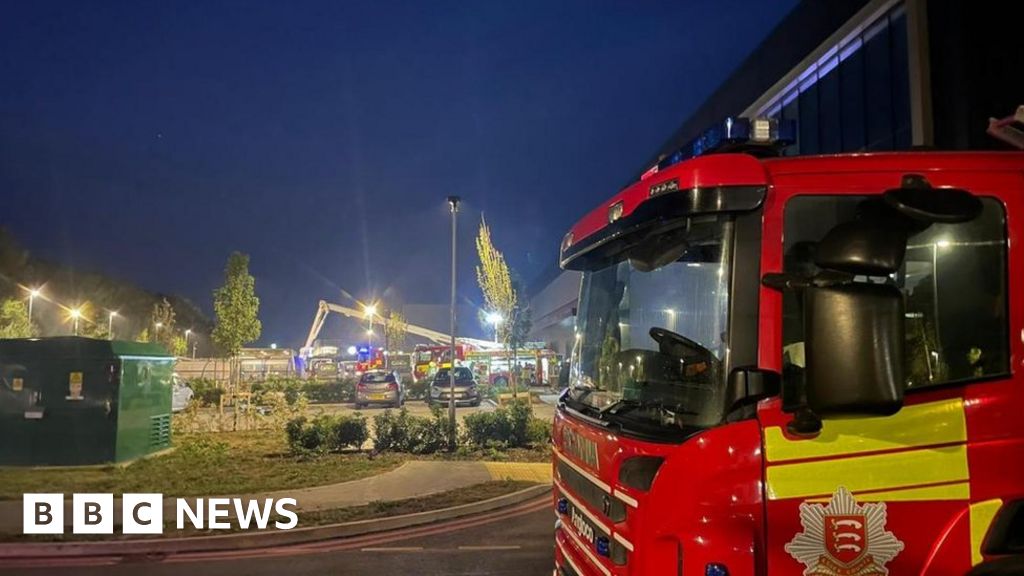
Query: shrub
347, 431
485, 429
391, 431
538, 432
519, 414
403, 432
326, 434
511, 427
305, 437
206, 391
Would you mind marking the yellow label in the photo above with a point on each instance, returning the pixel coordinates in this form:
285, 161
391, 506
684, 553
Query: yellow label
17, 384
75, 386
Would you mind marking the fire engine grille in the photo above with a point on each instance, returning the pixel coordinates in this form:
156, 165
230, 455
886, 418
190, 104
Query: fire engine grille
588, 492
160, 431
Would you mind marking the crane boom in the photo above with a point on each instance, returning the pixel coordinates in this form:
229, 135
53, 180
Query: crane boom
324, 308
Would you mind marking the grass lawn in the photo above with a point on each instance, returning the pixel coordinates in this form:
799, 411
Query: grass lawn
230, 463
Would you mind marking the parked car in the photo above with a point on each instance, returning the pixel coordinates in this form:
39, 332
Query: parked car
379, 387
181, 394
466, 391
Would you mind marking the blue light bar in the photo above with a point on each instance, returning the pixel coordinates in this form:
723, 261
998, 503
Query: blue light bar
563, 506
759, 135
716, 570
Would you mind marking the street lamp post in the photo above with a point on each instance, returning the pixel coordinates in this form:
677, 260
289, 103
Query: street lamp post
156, 332
369, 311
188, 332
110, 324
453, 205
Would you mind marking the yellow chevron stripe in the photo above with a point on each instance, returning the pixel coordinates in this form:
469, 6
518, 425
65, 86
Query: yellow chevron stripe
982, 515
875, 472
920, 425
958, 491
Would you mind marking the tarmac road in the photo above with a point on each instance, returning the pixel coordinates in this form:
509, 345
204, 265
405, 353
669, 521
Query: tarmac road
516, 541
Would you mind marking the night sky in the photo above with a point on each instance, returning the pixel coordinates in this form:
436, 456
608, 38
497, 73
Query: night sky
147, 140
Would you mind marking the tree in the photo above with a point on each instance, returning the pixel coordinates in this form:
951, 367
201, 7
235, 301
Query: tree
179, 347
143, 336
163, 320
494, 278
14, 322
394, 331
237, 310
500, 296
236, 307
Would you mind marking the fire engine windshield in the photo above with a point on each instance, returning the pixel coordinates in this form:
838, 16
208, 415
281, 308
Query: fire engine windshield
651, 332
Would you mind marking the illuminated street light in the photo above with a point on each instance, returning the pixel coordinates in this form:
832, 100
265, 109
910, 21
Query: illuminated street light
351, 350
33, 293
110, 324
495, 319
76, 313
273, 346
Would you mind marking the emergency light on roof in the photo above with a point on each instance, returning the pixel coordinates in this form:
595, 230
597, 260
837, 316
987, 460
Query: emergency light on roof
758, 136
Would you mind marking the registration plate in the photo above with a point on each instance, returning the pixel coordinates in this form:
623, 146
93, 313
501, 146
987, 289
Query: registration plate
378, 396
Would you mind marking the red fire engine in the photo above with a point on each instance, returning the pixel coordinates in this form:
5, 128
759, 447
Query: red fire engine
797, 366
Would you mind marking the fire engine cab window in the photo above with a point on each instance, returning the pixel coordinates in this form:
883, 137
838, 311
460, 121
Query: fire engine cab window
953, 279
651, 331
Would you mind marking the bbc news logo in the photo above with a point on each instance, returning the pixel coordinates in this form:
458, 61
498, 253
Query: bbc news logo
144, 513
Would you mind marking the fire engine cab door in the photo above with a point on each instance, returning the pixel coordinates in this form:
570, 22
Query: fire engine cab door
915, 492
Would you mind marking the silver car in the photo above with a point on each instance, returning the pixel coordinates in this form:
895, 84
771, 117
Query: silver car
379, 387
181, 394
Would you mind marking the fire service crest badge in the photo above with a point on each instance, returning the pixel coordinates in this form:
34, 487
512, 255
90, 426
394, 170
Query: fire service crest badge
844, 538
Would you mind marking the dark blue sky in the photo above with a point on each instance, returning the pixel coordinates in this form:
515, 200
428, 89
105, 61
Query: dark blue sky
147, 140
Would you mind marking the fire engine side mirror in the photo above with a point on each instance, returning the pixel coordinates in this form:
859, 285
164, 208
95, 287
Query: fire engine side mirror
854, 349
749, 385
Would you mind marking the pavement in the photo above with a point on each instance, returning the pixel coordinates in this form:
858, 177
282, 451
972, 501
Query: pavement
410, 480
511, 542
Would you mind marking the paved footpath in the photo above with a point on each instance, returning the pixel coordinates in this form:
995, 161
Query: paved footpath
410, 480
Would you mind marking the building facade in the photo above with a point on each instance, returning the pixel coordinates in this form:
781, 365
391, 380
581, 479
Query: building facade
857, 76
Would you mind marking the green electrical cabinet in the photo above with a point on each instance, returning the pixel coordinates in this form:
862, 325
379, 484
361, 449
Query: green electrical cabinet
71, 401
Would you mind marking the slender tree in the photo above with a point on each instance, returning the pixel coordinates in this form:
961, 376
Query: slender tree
237, 310
14, 321
495, 280
236, 307
394, 331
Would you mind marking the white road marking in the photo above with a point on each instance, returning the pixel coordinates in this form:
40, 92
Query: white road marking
393, 549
